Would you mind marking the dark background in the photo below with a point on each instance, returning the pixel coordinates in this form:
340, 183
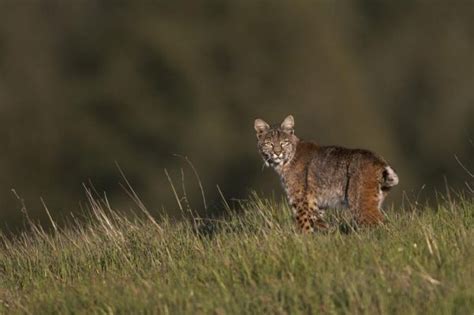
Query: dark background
85, 84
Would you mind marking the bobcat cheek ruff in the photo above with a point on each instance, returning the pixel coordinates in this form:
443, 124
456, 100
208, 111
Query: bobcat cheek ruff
319, 177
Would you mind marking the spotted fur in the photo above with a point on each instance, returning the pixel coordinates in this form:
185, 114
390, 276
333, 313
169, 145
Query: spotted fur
316, 178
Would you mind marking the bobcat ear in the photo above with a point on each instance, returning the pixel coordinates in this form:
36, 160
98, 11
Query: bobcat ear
260, 126
288, 124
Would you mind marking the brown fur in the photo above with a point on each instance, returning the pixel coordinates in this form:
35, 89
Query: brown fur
319, 177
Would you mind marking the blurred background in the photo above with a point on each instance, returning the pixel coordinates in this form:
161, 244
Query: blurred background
88, 84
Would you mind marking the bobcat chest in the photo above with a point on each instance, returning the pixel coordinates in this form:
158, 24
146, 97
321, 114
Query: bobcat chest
293, 183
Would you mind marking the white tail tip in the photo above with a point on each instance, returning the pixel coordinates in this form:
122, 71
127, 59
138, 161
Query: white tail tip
390, 177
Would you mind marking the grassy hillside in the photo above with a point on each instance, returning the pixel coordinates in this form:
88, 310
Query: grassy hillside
250, 261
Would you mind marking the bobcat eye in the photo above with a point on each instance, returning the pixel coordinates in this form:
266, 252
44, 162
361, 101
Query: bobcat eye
268, 143
285, 142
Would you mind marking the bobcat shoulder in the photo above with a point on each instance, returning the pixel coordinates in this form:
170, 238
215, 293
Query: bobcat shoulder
316, 178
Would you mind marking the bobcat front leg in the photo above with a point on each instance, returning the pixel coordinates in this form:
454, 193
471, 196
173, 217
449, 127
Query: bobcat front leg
309, 218
303, 216
317, 220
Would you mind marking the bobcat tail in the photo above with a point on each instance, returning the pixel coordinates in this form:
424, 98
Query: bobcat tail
389, 178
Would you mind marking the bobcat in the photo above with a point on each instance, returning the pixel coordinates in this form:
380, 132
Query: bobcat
319, 177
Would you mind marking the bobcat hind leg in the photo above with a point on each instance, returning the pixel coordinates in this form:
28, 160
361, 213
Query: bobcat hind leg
370, 201
365, 199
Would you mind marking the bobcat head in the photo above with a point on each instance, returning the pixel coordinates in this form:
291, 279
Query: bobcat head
277, 144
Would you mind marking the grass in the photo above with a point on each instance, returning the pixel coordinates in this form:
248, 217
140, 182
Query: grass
250, 261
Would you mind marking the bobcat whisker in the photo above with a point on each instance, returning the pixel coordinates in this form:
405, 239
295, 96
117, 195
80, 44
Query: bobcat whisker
265, 163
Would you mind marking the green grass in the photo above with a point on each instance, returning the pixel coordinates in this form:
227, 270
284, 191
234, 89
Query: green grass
250, 261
